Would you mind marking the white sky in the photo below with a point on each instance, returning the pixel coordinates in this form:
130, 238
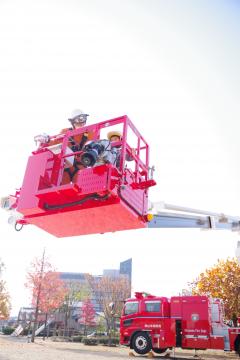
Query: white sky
173, 68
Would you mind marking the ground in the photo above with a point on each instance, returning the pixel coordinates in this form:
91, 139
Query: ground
19, 349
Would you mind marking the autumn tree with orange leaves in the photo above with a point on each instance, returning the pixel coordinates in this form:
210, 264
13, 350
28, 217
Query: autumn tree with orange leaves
4, 297
47, 289
221, 281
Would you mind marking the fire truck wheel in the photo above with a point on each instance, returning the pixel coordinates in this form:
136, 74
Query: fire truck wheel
159, 351
237, 345
141, 343
238, 350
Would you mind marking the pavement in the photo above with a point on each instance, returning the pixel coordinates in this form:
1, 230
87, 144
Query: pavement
18, 348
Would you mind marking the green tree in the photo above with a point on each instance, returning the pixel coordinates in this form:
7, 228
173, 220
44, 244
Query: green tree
221, 281
75, 293
4, 296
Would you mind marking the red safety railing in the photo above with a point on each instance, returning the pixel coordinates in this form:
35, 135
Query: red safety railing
133, 147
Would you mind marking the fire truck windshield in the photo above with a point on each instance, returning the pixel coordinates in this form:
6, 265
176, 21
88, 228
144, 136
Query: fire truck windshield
131, 308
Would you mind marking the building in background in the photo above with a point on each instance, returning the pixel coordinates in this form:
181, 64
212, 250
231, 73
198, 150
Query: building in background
79, 279
112, 273
126, 269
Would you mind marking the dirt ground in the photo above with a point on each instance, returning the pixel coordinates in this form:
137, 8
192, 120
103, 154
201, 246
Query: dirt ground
19, 349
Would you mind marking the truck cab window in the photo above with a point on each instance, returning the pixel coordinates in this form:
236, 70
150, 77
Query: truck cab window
153, 306
131, 308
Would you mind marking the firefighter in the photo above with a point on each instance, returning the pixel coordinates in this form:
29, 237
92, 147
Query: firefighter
77, 120
116, 150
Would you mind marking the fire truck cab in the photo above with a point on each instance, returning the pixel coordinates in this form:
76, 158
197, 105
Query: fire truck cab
188, 322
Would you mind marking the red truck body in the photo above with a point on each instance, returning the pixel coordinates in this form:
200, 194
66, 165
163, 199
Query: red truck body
189, 322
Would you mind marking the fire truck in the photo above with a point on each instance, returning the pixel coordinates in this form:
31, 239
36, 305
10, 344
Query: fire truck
188, 322
104, 196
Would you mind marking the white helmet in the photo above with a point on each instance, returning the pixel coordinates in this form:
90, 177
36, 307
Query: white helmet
78, 117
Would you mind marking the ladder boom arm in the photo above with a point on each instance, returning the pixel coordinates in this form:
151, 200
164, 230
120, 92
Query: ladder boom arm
184, 217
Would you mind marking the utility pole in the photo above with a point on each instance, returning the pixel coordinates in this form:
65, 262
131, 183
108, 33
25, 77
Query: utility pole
238, 251
38, 296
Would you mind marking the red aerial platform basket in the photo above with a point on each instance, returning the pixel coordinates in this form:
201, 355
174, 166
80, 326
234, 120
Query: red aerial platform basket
103, 198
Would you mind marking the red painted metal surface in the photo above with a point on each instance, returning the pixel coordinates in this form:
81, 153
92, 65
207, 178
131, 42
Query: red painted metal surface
233, 333
182, 321
107, 217
97, 199
217, 342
